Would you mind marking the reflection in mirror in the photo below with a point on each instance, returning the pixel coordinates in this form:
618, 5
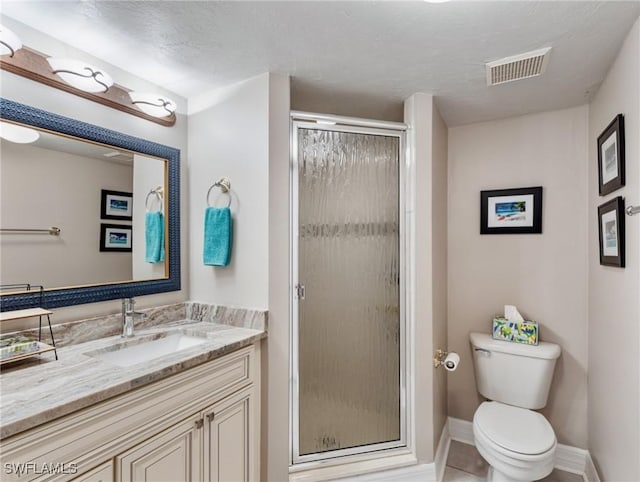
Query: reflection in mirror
113, 197
58, 181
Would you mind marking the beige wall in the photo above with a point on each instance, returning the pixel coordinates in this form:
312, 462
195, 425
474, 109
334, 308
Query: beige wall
34, 193
426, 221
229, 137
275, 409
439, 174
148, 174
545, 275
614, 300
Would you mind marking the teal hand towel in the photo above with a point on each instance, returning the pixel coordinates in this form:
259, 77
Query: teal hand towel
154, 237
218, 236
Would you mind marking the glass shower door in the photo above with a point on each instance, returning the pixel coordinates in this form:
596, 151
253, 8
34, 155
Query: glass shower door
348, 344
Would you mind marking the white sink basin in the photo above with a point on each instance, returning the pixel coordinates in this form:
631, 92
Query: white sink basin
132, 354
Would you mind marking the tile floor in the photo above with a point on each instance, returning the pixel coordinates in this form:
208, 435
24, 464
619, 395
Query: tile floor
465, 464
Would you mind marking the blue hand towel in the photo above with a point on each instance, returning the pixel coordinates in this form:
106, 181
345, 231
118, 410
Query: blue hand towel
154, 237
218, 236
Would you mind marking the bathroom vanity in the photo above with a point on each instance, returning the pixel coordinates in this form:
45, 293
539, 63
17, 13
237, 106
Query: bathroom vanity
188, 415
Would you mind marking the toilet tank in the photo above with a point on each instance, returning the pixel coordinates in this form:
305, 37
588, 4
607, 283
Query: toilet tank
513, 373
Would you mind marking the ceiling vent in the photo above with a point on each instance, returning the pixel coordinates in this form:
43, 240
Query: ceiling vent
517, 67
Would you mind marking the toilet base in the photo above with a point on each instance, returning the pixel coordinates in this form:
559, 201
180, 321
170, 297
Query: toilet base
496, 476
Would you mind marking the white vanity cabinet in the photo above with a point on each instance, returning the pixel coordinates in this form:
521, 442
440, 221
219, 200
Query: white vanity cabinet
230, 439
102, 473
200, 424
172, 455
219, 444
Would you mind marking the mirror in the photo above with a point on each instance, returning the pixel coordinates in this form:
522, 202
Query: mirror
114, 199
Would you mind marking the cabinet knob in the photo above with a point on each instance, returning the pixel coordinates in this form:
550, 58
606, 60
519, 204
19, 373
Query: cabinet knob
211, 416
199, 423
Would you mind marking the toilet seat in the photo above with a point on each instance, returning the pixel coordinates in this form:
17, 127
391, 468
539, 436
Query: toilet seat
515, 430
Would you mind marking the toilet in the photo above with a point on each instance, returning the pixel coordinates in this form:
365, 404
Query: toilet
517, 443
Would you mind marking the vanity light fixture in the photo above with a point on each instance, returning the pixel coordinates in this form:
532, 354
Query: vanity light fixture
18, 134
81, 75
153, 104
9, 42
78, 78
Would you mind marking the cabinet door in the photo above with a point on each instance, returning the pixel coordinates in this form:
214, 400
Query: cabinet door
101, 473
230, 439
171, 456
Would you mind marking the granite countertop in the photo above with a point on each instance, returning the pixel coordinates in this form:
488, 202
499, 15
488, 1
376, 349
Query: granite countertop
37, 394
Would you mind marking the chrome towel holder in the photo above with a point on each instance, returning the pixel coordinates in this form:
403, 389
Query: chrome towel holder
158, 192
225, 186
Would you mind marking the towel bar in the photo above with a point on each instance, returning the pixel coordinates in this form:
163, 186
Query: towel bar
53, 231
631, 210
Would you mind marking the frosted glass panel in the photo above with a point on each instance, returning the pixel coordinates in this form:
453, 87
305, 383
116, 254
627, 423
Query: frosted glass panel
349, 321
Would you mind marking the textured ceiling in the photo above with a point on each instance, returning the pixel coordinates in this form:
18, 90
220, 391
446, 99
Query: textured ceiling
352, 58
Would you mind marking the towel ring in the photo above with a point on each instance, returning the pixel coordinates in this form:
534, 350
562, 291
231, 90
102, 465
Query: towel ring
225, 186
158, 193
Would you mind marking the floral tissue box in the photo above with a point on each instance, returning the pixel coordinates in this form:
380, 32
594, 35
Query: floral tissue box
519, 332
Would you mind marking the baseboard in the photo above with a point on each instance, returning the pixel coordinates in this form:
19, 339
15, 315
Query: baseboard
461, 430
569, 459
590, 472
442, 452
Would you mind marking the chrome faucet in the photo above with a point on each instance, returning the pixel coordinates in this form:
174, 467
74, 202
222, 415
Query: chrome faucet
129, 315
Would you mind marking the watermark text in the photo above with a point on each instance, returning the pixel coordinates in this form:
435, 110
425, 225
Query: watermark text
35, 468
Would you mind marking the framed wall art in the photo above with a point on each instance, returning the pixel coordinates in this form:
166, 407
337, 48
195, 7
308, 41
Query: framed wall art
511, 211
611, 157
611, 230
116, 205
115, 237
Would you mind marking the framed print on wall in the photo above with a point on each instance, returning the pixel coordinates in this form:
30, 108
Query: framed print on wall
115, 237
116, 205
511, 211
611, 230
611, 157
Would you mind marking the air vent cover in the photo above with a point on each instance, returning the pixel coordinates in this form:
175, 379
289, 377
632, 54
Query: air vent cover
517, 67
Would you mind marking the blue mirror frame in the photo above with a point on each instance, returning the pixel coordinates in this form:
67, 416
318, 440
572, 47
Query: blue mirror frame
53, 298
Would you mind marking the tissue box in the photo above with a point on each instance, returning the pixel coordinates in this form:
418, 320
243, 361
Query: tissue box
519, 332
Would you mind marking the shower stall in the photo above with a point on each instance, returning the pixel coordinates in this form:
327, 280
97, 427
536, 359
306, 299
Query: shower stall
348, 373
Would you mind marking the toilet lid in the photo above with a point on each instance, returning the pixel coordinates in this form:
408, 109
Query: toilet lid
516, 429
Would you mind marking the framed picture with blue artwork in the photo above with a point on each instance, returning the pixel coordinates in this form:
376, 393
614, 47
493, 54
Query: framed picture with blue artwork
115, 237
116, 205
611, 230
511, 211
611, 157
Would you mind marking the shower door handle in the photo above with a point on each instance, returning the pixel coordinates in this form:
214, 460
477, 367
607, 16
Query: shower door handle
300, 292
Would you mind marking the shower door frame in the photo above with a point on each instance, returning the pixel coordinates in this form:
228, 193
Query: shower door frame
355, 126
